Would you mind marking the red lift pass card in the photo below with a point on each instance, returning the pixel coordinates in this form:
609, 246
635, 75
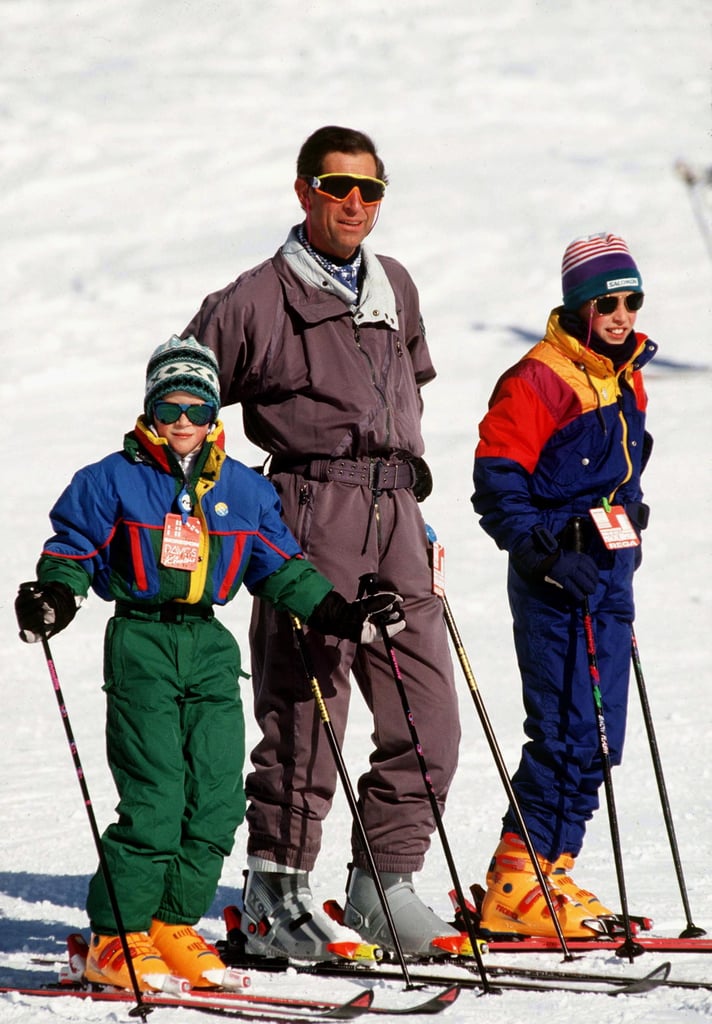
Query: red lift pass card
615, 527
438, 557
181, 542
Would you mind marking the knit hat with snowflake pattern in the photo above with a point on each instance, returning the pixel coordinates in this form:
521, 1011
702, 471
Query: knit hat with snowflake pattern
596, 265
182, 364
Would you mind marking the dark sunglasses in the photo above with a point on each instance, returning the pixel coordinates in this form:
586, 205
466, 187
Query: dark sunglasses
170, 412
340, 186
607, 304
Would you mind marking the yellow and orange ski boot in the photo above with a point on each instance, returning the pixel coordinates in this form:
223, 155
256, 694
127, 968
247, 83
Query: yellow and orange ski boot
106, 963
189, 955
514, 902
561, 878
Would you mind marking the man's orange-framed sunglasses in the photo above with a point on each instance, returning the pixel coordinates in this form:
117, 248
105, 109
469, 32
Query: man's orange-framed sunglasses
340, 186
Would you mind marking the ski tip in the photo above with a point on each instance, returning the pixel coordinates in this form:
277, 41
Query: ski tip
657, 976
448, 996
360, 952
363, 1000
353, 1008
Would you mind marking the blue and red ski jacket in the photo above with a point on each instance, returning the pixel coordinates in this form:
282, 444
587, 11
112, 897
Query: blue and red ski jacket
109, 526
564, 432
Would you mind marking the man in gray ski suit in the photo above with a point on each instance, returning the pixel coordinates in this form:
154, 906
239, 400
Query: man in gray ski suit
323, 346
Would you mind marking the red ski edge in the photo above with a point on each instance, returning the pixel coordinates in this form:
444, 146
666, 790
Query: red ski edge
655, 944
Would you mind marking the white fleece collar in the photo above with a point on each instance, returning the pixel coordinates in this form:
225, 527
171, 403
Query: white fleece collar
377, 303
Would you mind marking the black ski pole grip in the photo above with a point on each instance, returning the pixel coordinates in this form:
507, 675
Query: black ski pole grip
577, 533
367, 584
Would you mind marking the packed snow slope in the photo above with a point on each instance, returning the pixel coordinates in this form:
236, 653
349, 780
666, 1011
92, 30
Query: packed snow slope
148, 158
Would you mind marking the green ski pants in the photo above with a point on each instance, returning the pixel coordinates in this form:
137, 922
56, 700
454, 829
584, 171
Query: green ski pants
175, 736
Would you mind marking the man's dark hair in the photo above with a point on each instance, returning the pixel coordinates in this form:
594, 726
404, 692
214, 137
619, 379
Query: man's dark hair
333, 139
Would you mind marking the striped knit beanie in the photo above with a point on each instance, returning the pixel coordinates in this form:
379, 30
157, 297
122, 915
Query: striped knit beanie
596, 265
182, 364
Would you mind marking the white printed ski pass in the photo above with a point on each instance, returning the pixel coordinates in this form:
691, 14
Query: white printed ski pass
181, 542
438, 564
615, 527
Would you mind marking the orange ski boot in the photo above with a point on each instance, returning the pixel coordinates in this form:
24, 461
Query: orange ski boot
106, 963
189, 955
514, 902
560, 877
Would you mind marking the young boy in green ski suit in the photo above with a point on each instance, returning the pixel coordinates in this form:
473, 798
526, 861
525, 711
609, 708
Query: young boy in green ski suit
167, 528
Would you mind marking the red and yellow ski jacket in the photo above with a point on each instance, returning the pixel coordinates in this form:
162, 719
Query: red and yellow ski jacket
564, 430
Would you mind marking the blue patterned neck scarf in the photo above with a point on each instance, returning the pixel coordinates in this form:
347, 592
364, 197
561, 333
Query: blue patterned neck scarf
345, 272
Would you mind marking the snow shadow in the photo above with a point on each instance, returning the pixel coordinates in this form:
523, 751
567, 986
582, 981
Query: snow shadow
46, 930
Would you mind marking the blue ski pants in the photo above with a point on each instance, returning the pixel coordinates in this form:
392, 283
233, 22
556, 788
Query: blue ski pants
560, 772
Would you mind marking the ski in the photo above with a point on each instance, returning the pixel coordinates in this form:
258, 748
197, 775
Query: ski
225, 1004
539, 981
653, 944
276, 1008
432, 971
510, 970
249, 1004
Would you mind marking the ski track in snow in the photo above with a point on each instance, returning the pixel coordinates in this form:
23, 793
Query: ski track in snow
149, 152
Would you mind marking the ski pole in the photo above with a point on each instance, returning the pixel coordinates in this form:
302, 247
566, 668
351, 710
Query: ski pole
348, 790
499, 760
140, 1010
629, 947
692, 931
368, 584
695, 183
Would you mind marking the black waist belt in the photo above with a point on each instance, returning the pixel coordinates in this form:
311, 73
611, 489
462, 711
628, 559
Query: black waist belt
169, 612
374, 473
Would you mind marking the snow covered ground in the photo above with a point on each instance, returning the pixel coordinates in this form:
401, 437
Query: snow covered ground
148, 157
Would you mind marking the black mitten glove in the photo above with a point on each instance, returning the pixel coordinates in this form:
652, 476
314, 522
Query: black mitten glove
576, 574
43, 609
360, 621
540, 558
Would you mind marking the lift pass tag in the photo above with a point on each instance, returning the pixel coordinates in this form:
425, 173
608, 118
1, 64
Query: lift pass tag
615, 527
438, 563
181, 542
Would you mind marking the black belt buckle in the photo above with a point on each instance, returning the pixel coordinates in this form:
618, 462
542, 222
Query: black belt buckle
375, 467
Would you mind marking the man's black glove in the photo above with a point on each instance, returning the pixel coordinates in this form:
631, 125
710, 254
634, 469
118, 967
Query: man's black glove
43, 609
361, 620
539, 557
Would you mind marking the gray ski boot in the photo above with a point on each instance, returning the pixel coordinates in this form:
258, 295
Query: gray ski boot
417, 925
280, 920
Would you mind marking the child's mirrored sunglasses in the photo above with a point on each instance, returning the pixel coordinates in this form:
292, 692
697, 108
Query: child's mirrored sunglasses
607, 304
170, 412
340, 186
